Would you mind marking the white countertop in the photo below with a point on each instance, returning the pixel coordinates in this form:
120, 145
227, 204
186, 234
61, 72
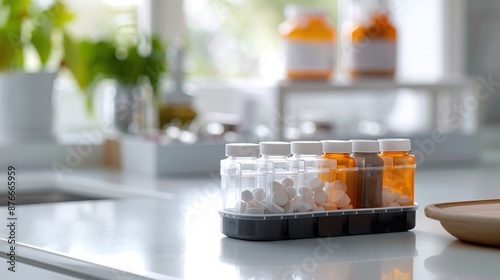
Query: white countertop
136, 238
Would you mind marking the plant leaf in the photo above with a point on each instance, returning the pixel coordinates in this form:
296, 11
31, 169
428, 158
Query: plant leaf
41, 38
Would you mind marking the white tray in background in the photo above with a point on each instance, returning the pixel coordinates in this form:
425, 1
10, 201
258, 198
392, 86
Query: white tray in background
147, 156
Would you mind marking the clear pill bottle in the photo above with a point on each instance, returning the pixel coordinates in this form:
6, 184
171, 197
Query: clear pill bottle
243, 177
399, 173
309, 43
281, 176
370, 37
369, 175
313, 172
342, 172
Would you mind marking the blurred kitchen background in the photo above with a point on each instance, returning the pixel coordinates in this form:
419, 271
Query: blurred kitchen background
228, 56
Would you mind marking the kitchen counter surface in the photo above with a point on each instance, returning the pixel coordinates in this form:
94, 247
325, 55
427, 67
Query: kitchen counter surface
178, 235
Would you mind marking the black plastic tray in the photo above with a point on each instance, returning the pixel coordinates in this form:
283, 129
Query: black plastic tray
317, 224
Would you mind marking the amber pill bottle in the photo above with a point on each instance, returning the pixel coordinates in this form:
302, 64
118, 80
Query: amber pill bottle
369, 174
372, 39
309, 43
343, 166
399, 172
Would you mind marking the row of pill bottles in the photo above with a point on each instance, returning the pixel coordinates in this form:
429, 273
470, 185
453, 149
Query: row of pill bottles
348, 174
385, 173
374, 173
284, 178
310, 41
296, 176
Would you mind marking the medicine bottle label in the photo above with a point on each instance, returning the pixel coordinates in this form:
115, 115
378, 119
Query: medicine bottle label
309, 56
373, 55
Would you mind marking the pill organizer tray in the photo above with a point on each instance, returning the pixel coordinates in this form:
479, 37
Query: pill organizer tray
317, 224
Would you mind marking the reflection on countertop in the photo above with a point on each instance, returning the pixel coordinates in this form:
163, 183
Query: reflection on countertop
381, 256
460, 260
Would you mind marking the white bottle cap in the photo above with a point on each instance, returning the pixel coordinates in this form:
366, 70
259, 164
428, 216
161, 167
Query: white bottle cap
365, 146
242, 150
274, 148
306, 147
336, 146
395, 145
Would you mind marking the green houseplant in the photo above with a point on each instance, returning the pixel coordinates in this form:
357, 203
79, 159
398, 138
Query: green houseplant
132, 66
28, 26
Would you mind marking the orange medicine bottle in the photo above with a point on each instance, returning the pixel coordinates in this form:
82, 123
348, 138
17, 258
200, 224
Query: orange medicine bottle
309, 43
371, 37
342, 168
399, 172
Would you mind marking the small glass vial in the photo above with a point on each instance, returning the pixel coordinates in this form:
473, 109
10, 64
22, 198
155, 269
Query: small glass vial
399, 173
342, 173
309, 43
371, 39
281, 176
313, 172
243, 179
369, 177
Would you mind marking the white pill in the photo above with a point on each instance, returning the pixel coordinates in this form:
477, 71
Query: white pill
344, 201
385, 197
287, 206
240, 207
339, 185
257, 204
319, 208
403, 199
276, 209
303, 190
280, 198
330, 206
287, 182
246, 196
391, 197
394, 204
327, 185
276, 186
291, 192
255, 211
347, 207
259, 194
316, 184
336, 196
304, 207
319, 197
308, 196
405, 190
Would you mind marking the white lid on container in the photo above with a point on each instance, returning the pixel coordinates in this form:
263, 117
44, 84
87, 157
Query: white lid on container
395, 144
365, 146
242, 150
306, 147
294, 10
274, 148
336, 146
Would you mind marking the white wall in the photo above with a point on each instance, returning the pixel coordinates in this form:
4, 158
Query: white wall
483, 48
